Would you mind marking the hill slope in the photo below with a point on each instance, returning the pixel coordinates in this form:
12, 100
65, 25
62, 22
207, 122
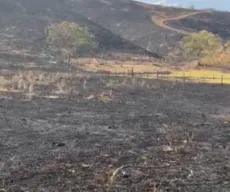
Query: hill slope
117, 24
130, 21
23, 25
121, 25
215, 22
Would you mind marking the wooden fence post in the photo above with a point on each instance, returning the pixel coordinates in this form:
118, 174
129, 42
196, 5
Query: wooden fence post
132, 72
183, 77
222, 80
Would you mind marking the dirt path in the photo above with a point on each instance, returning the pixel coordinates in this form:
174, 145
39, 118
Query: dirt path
161, 22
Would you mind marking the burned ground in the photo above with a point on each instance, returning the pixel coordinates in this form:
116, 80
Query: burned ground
23, 25
118, 26
130, 21
216, 22
84, 131
156, 134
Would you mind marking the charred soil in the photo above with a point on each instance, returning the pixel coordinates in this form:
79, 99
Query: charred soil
117, 134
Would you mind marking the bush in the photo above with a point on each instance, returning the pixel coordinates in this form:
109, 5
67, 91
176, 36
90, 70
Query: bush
69, 37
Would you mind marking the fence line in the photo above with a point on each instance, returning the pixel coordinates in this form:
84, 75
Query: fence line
166, 76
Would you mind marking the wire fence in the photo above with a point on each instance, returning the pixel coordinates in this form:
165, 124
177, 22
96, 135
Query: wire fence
182, 77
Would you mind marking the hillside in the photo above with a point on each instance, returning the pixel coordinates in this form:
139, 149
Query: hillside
120, 26
130, 21
23, 26
215, 22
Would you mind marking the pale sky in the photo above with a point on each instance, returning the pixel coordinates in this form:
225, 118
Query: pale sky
216, 4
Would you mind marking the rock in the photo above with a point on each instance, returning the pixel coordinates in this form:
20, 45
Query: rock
112, 127
125, 175
23, 119
165, 148
83, 165
58, 144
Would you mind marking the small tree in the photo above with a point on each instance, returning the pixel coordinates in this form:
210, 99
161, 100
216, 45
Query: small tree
69, 37
198, 45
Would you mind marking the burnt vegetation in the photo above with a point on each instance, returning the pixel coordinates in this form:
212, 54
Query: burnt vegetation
63, 128
215, 22
114, 134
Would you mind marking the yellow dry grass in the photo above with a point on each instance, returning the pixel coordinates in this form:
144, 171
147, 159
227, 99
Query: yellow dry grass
125, 67
114, 66
195, 75
216, 59
203, 75
121, 68
104, 97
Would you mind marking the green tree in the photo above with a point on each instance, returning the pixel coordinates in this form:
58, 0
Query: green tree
198, 45
69, 37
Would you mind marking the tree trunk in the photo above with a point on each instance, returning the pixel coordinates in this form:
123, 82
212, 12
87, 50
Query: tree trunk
198, 60
198, 63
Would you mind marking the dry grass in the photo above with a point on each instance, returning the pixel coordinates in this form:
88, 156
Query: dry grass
139, 69
203, 75
123, 68
2, 80
26, 81
114, 66
132, 82
22, 80
63, 86
200, 75
216, 60
193, 75
104, 97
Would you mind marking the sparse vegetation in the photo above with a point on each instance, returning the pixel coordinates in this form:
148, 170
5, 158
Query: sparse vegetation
25, 82
104, 97
131, 82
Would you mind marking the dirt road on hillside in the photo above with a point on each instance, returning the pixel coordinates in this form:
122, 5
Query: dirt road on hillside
161, 22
